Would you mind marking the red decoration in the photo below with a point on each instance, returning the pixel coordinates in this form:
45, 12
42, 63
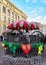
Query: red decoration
22, 24
10, 26
32, 25
26, 48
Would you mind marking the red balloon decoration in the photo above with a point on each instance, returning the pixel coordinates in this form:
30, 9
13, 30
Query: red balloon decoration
26, 48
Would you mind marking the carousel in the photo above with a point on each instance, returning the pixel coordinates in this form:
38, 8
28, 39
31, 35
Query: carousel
22, 38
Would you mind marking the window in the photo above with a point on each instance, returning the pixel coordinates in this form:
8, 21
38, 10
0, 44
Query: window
8, 20
12, 20
2, 0
15, 16
4, 9
12, 14
18, 17
4, 28
4, 18
8, 12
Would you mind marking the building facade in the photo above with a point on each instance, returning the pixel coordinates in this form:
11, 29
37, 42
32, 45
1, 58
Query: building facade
39, 25
8, 13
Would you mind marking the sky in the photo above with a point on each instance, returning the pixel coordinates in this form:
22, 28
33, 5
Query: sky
34, 9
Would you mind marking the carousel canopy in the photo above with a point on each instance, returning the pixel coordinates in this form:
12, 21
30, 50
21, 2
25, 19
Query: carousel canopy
22, 24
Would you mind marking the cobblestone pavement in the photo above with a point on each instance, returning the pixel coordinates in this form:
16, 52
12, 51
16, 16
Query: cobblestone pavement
33, 60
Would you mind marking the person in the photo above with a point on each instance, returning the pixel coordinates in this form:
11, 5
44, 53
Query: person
1, 38
45, 39
27, 37
24, 31
21, 30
